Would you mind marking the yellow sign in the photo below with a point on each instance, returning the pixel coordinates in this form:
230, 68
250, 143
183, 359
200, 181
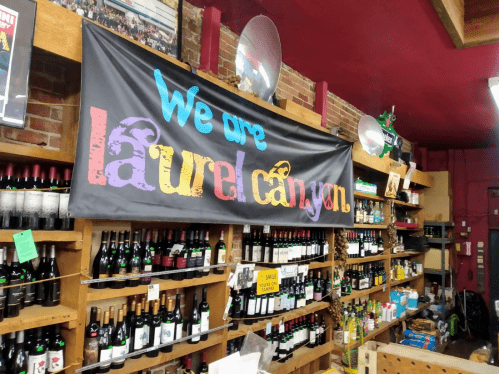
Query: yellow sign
267, 282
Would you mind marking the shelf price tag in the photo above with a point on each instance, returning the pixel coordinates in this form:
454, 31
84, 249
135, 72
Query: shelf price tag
246, 229
266, 229
267, 281
152, 292
25, 246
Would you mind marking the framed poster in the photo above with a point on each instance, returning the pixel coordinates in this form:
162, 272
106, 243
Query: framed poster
17, 24
151, 22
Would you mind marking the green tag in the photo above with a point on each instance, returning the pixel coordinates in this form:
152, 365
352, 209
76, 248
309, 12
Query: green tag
14, 188
3, 280
62, 344
33, 280
148, 261
24, 271
123, 265
123, 342
136, 258
22, 372
25, 246
110, 347
168, 322
39, 349
22, 276
127, 251
152, 248
108, 266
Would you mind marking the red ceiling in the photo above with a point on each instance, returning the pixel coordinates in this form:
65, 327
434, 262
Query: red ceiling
379, 53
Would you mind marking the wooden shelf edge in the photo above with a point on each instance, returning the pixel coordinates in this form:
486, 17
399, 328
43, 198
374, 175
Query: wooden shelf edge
357, 294
351, 261
408, 205
368, 196
301, 357
369, 227
38, 316
395, 283
311, 308
21, 152
406, 254
400, 228
6, 236
164, 284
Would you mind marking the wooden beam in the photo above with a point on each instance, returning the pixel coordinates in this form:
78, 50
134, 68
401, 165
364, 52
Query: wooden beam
483, 30
451, 13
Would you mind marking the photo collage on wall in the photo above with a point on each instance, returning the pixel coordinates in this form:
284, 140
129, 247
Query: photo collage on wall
150, 22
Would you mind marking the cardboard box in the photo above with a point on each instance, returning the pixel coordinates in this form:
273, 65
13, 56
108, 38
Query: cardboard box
442, 184
438, 208
433, 259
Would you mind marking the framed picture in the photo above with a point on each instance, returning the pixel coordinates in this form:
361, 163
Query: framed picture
393, 185
151, 22
17, 24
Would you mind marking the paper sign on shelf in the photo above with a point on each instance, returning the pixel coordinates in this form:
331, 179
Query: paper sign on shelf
177, 248
246, 229
408, 176
288, 271
227, 307
267, 281
152, 292
303, 269
25, 246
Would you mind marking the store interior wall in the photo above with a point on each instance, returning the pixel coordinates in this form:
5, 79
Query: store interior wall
473, 172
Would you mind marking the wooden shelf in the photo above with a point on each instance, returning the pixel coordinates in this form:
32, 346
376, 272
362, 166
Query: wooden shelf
312, 265
366, 259
371, 227
179, 350
25, 154
406, 254
407, 205
367, 196
37, 316
408, 228
164, 284
320, 265
441, 241
311, 308
6, 236
395, 283
301, 357
357, 294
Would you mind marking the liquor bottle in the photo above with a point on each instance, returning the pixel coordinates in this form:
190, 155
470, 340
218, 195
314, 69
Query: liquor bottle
362, 252
91, 344
167, 257
19, 364
53, 287
220, 250
204, 367
250, 310
147, 317
119, 264
119, 344
133, 267
195, 323
4, 281
274, 249
328, 288
101, 263
236, 311
204, 310
37, 358
283, 343
179, 321
180, 259
154, 331
16, 276
55, 355
309, 289
207, 253
137, 339
191, 255
3, 363
311, 333
380, 244
105, 346
318, 288
30, 290
146, 263
168, 328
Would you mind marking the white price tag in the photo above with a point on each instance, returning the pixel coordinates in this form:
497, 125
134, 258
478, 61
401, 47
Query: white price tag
266, 229
232, 280
303, 269
268, 328
152, 292
384, 287
246, 229
227, 307
177, 248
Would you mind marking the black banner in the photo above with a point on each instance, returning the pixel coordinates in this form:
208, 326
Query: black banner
157, 142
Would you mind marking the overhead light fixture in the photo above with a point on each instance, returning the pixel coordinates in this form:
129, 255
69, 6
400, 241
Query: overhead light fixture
494, 89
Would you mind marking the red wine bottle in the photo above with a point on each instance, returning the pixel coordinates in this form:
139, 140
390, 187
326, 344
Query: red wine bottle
133, 267
101, 263
4, 281
168, 328
53, 286
41, 275
158, 250
91, 344
19, 363
180, 259
179, 321
195, 322
167, 257
56, 351
43, 179
204, 310
146, 262
66, 183
8, 181
16, 276
119, 265
206, 253
220, 251
198, 240
204, 367
191, 255
65, 221
34, 182
37, 353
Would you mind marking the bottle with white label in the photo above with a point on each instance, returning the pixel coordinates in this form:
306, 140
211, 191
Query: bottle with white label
119, 343
207, 253
251, 306
37, 353
154, 331
56, 351
195, 323
105, 347
204, 310
168, 328
138, 331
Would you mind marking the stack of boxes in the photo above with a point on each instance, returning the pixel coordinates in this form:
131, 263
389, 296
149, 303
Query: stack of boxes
437, 200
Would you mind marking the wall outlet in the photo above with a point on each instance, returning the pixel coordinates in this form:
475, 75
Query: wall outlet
464, 223
496, 212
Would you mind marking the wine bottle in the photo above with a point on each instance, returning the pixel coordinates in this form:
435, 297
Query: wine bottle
111, 326
138, 331
158, 251
191, 255
91, 344
220, 251
105, 346
101, 263
146, 263
179, 321
3, 362
4, 281
128, 250
119, 265
162, 308
10, 348
236, 311
167, 257
19, 363
195, 323
30, 290
8, 181
154, 331
204, 310
200, 250
147, 317
251, 306
112, 247
56, 351
207, 253
168, 328
16, 276
204, 367
119, 344
37, 354
180, 259
133, 267
126, 327
53, 287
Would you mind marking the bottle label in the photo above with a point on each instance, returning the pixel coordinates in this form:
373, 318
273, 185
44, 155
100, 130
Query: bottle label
139, 339
309, 292
181, 262
145, 339
258, 304
167, 332
270, 307
354, 283
19, 202
199, 259
346, 337
266, 256
167, 261
135, 271
221, 255
317, 296
205, 321
37, 364
277, 304
207, 259
247, 251
191, 262
251, 307
157, 336
50, 204
63, 205
8, 201
105, 354
55, 361
309, 250
196, 329
15, 293
257, 253
119, 351
326, 249
263, 308
275, 254
156, 259
121, 272
178, 333
55, 291
33, 201
3, 299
